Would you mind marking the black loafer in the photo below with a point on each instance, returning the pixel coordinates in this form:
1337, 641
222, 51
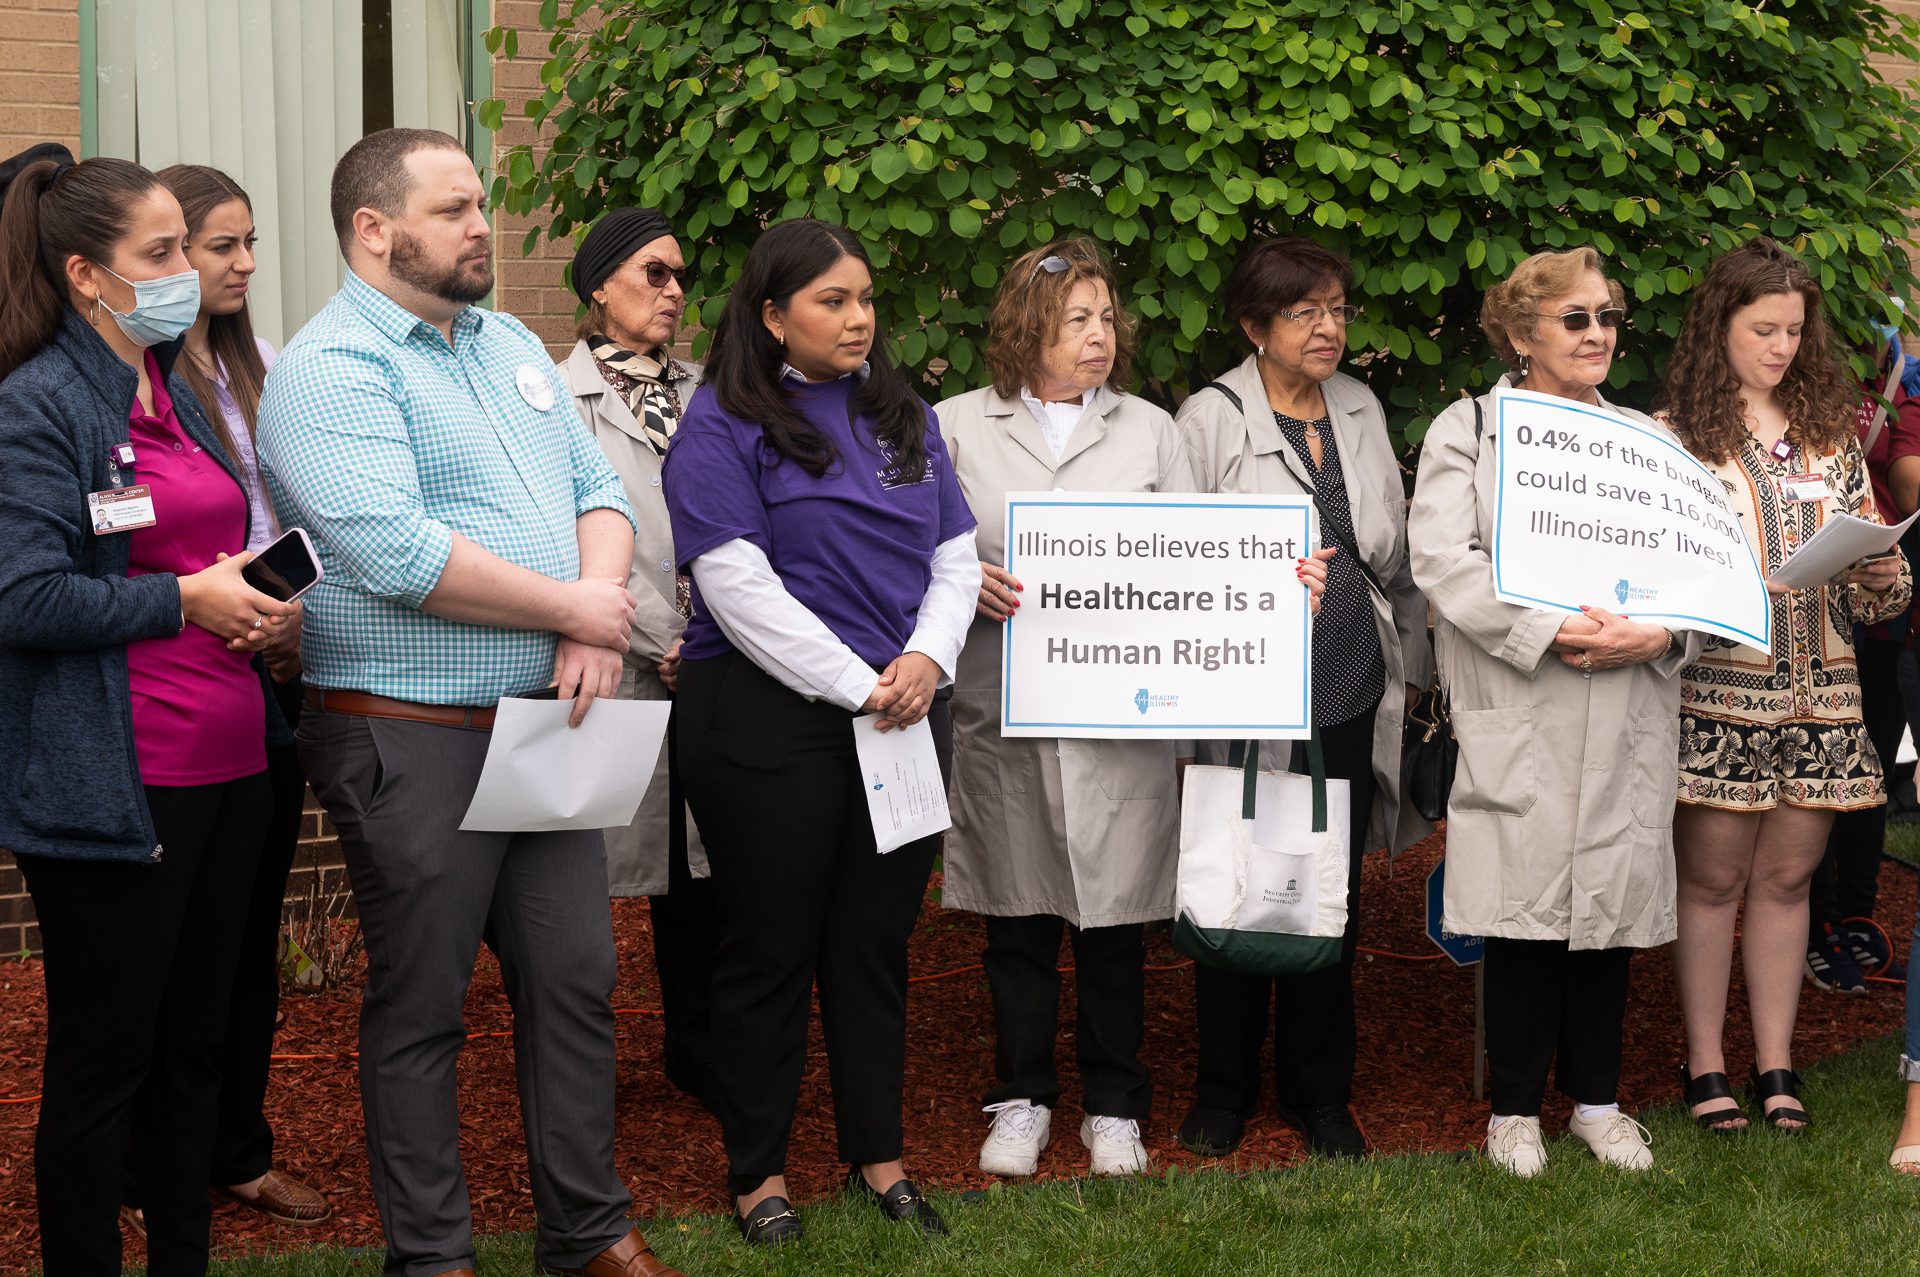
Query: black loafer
1211, 1132
902, 1202
771, 1222
1329, 1128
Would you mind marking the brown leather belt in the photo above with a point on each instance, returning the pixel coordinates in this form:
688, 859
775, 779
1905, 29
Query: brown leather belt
367, 705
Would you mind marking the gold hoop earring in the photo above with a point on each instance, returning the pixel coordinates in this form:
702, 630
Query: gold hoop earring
93, 312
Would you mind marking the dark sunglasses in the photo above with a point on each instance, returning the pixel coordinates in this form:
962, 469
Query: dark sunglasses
658, 273
1578, 321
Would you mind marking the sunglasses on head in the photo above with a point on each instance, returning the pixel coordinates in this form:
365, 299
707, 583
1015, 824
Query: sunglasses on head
658, 273
1578, 321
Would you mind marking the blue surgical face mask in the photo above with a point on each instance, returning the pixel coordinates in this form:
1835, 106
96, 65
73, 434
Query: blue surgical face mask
162, 308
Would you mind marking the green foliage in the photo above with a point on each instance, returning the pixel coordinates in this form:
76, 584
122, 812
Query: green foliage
1437, 142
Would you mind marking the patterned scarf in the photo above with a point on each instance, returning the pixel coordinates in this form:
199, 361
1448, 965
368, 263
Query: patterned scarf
646, 383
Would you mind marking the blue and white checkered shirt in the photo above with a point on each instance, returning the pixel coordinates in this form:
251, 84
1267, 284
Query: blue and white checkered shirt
382, 442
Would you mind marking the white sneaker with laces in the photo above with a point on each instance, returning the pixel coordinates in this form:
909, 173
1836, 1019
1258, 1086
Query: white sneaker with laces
1514, 1146
1615, 1139
1017, 1138
1115, 1145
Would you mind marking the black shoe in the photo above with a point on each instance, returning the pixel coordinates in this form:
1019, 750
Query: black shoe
1790, 1119
902, 1202
1210, 1132
771, 1222
1329, 1128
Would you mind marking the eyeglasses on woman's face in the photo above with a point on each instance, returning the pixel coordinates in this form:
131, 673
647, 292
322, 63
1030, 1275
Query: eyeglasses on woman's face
658, 273
1578, 321
1308, 316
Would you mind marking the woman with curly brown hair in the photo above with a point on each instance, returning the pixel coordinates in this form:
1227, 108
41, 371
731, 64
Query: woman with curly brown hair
1771, 742
1053, 836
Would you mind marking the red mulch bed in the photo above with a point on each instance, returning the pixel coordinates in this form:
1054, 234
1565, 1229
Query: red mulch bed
1414, 1088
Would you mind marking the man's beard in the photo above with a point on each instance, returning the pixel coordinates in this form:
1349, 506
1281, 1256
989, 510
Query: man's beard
453, 283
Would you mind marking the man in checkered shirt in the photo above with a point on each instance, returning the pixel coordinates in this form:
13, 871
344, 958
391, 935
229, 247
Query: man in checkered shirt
476, 545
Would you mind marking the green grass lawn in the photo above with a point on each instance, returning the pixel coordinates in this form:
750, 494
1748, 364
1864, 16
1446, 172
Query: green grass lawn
1761, 1203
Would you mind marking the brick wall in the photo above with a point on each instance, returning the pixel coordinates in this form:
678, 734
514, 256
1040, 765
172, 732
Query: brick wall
39, 77
532, 289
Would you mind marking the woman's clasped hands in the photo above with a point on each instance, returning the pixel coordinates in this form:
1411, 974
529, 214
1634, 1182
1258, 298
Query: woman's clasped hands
1599, 640
904, 693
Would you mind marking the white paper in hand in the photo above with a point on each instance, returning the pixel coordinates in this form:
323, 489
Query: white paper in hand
1841, 542
905, 795
541, 774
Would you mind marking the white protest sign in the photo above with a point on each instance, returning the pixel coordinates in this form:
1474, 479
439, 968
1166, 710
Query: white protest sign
1157, 616
1594, 509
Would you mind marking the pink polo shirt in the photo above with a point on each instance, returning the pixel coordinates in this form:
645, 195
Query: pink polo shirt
197, 714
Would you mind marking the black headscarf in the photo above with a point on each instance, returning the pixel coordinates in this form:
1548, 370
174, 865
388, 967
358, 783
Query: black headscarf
10, 169
613, 239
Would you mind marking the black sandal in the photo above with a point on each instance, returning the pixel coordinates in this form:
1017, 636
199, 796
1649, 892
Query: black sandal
1775, 1082
1712, 1086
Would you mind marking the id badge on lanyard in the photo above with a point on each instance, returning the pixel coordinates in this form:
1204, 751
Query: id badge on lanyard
1804, 487
120, 508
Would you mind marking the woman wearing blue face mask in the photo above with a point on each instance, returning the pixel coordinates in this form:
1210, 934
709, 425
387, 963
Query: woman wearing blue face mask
132, 724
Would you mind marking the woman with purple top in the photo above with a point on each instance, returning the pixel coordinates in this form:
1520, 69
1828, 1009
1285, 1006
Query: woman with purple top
834, 575
226, 365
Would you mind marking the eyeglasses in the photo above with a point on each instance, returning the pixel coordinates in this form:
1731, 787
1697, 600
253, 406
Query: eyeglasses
658, 273
1309, 316
1578, 321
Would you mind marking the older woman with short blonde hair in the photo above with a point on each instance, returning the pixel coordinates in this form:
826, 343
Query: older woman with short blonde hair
1560, 824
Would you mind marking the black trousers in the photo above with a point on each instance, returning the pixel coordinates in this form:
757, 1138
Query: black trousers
1550, 1006
1847, 882
804, 899
139, 962
1314, 1034
685, 927
1109, 980
243, 1141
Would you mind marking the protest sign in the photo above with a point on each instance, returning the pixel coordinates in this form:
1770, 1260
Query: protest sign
1594, 509
1157, 616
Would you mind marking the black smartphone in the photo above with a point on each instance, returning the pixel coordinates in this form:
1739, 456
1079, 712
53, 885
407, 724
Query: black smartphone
286, 569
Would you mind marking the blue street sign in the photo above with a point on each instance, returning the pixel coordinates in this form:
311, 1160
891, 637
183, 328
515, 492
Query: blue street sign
1464, 950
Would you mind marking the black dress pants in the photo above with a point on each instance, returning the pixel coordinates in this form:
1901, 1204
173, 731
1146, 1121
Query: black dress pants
804, 899
1314, 1032
1550, 1006
685, 925
139, 962
1847, 882
243, 1141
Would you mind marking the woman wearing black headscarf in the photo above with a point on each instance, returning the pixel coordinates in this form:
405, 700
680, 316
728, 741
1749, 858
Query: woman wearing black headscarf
631, 276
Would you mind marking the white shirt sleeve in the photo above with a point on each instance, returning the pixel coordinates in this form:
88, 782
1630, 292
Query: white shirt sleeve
776, 631
946, 610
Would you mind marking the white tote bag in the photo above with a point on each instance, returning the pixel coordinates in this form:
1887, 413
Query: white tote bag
1262, 886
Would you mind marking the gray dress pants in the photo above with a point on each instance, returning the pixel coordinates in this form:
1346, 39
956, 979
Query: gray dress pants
428, 895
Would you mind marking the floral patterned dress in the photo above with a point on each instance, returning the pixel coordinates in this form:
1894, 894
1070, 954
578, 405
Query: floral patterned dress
1760, 728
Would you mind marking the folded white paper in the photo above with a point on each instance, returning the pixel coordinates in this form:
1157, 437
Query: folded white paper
905, 796
541, 774
1841, 542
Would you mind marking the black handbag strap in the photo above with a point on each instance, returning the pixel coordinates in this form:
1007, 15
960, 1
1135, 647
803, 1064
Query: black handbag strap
1340, 539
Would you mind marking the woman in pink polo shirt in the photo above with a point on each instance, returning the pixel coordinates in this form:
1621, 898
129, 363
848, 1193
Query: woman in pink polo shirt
132, 727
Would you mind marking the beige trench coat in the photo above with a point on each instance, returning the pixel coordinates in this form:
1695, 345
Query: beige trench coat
637, 855
1561, 821
1244, 452
1086, 830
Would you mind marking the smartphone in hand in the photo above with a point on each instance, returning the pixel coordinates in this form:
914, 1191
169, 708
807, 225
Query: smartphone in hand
286, 569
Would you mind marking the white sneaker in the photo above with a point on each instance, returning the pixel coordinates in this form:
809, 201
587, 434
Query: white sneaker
1615, 1139
1115, 1145
1019, 1135
1514, 1146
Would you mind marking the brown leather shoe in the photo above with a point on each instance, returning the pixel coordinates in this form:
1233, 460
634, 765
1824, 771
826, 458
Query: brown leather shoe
628, 1257
282, 1198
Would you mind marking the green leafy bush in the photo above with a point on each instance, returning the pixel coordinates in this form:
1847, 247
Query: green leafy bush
1437, 142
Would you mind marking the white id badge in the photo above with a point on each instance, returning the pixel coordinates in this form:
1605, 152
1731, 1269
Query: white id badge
121, 509
1804, 487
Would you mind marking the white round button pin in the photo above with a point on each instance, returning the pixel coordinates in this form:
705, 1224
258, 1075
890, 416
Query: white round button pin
534, 388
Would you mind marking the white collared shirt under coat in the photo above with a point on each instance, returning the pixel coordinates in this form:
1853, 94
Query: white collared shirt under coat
1560, 825
637, 855
1243, 451
1086, 830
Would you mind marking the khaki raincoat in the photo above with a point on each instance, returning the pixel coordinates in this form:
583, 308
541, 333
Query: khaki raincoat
1561, 821
1244, 452
1086, 830
637, 855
